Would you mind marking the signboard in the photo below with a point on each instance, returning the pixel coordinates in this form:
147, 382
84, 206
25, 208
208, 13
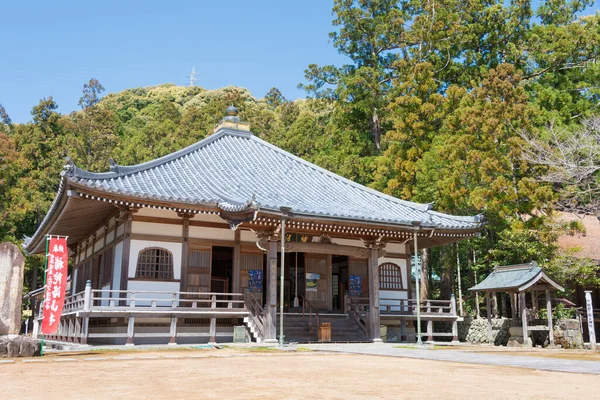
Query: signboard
312, 281
355, 285
56, 282
255, 281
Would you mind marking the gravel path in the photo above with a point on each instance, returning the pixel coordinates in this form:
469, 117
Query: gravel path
460, 356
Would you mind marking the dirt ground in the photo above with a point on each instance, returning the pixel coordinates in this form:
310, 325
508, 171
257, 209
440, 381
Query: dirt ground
236, 374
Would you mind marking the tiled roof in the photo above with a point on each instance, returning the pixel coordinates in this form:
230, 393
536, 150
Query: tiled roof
515, 277
233, 168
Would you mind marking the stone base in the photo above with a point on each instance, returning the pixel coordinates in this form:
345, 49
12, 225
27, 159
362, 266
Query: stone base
377, 340
20, 346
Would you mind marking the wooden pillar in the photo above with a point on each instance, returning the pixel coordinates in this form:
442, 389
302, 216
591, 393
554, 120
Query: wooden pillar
213, 321
374, 322
185, 252
130, 331
237, 260
549, 312
495, 305
127, 221
271, 303
488, 306
329, 262
429, 324
173, 331
526, 341
455, 322
402, 330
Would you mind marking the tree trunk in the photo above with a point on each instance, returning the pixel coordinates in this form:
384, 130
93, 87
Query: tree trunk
376, 130
424, 276
447, 283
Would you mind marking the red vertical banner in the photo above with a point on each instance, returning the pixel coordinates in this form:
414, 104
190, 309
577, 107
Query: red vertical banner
56, 283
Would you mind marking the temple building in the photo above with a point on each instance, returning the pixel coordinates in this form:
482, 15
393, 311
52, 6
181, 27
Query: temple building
190, 245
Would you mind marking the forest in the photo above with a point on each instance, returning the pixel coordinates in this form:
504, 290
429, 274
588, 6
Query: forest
479, 106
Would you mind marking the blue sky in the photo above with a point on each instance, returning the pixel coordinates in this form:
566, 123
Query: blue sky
51, 48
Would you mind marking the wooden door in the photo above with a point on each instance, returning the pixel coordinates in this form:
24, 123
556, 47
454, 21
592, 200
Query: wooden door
198, 276
317, 264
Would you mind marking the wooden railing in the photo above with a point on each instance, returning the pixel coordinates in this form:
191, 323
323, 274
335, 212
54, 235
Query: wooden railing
127, 299
409, 307
307, 307
357, 311
256, 312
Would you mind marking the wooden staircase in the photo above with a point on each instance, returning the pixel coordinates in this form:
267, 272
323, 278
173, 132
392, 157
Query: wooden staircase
343, 329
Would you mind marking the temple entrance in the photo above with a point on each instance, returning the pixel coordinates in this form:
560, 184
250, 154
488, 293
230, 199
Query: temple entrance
221, 269
339, 281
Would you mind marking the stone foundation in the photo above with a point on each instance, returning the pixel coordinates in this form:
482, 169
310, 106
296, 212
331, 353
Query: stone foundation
19, 346
476, 330
567, 334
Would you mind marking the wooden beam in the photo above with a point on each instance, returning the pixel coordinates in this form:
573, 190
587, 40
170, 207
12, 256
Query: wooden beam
156, 238
185, 251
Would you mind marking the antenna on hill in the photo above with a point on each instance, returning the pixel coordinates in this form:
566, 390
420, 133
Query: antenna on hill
193, 77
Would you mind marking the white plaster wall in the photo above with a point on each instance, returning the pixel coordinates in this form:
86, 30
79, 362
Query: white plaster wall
248, 236
174, 248
110, 237
153, 286
98, 245
89, 252
201, 232
398, 248
389, 298
120, 230
116, 283
150, 228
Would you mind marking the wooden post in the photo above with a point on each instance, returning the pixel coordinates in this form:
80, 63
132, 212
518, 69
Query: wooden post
455, 322
489, 316
185, 253
329, 262
549, 314
374, 321
84, 329
237, 260
173, 331
127, 221
402, 330
87, 306
271, 300
429, 324
526, 341
495, 305
87, 300
130, 330
213, 321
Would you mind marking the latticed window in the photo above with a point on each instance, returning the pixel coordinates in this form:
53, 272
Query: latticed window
155, 263
390, 277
